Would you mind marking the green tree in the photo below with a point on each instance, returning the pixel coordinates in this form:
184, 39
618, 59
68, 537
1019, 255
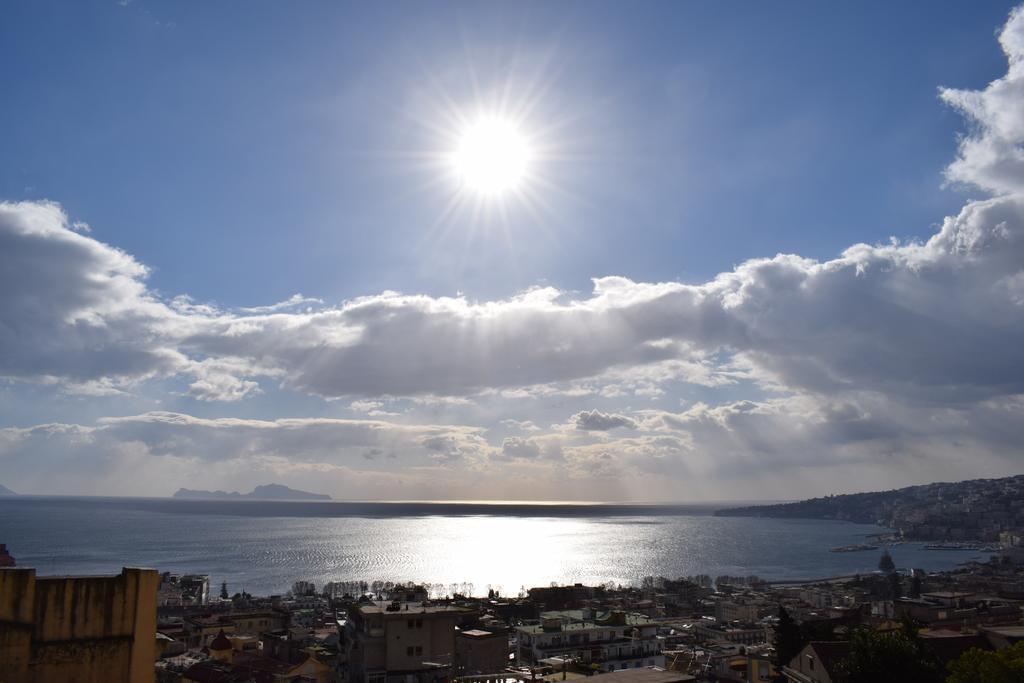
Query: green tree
224, 591
896, 656
788, 638
885, 563
979, 666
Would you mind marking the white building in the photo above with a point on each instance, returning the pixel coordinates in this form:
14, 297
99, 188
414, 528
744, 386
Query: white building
608, 642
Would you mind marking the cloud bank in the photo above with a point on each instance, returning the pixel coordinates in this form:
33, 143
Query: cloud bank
912, 351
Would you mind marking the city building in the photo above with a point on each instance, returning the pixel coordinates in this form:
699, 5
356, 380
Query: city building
648, 675
760, 667
78, 628
953, 613
183, 590
249, 669
732, 632
479, 651
200, 630
562, 597
817, 663
728, 610
398, 642
609, 642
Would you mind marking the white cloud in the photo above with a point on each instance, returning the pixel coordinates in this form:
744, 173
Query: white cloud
938, 319
220, 380
992, 157
518, 447
520, 425
73, 309
595, 420
702, 452
294, 301
909, 352
310, 439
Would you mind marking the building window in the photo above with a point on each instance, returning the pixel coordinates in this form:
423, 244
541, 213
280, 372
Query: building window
419, 623
419, 650
408, 651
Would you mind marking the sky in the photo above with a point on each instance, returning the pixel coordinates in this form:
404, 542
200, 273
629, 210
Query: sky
757, 251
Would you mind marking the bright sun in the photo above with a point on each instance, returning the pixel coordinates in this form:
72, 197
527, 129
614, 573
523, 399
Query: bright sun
492, 157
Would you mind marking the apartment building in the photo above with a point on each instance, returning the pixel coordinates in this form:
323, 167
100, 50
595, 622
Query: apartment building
398, 642
608, 642
481, 651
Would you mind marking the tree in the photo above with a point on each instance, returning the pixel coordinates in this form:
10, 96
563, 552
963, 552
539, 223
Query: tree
896, 656
224, 591
885, 563
979, 666
788, 638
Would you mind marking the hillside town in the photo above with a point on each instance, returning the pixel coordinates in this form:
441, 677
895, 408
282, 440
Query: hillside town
984, 510
697, 628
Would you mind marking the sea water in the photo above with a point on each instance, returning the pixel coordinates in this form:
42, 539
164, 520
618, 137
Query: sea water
263, 547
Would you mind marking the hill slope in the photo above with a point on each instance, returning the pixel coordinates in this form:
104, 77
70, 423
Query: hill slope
974, 509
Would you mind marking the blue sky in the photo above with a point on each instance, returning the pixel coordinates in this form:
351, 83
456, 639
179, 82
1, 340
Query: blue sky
705, 134
247, 152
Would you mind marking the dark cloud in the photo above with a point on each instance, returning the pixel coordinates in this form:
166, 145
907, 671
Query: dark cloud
518, 447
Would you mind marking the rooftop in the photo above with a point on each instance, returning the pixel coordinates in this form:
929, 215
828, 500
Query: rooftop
1006, 631
477, 633
648, 675
584, 625
406, 608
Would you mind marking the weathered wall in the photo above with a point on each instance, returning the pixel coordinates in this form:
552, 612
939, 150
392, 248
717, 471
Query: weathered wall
77, 629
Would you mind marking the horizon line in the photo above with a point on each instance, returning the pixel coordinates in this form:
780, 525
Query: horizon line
482, 502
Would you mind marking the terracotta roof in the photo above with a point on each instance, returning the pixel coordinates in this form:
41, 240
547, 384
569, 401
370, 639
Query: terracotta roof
948, 645
263, 669
221, 642
213, 672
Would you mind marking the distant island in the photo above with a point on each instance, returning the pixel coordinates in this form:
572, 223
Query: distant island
978, 509
265, 492
4, 491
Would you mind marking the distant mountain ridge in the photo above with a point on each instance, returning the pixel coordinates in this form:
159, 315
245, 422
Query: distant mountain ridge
4, 491
973, 509
265, 492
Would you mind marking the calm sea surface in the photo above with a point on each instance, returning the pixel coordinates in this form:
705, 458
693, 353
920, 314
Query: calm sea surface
264, 547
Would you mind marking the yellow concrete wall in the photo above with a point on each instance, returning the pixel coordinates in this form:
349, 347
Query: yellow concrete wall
17, 601
77, 629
